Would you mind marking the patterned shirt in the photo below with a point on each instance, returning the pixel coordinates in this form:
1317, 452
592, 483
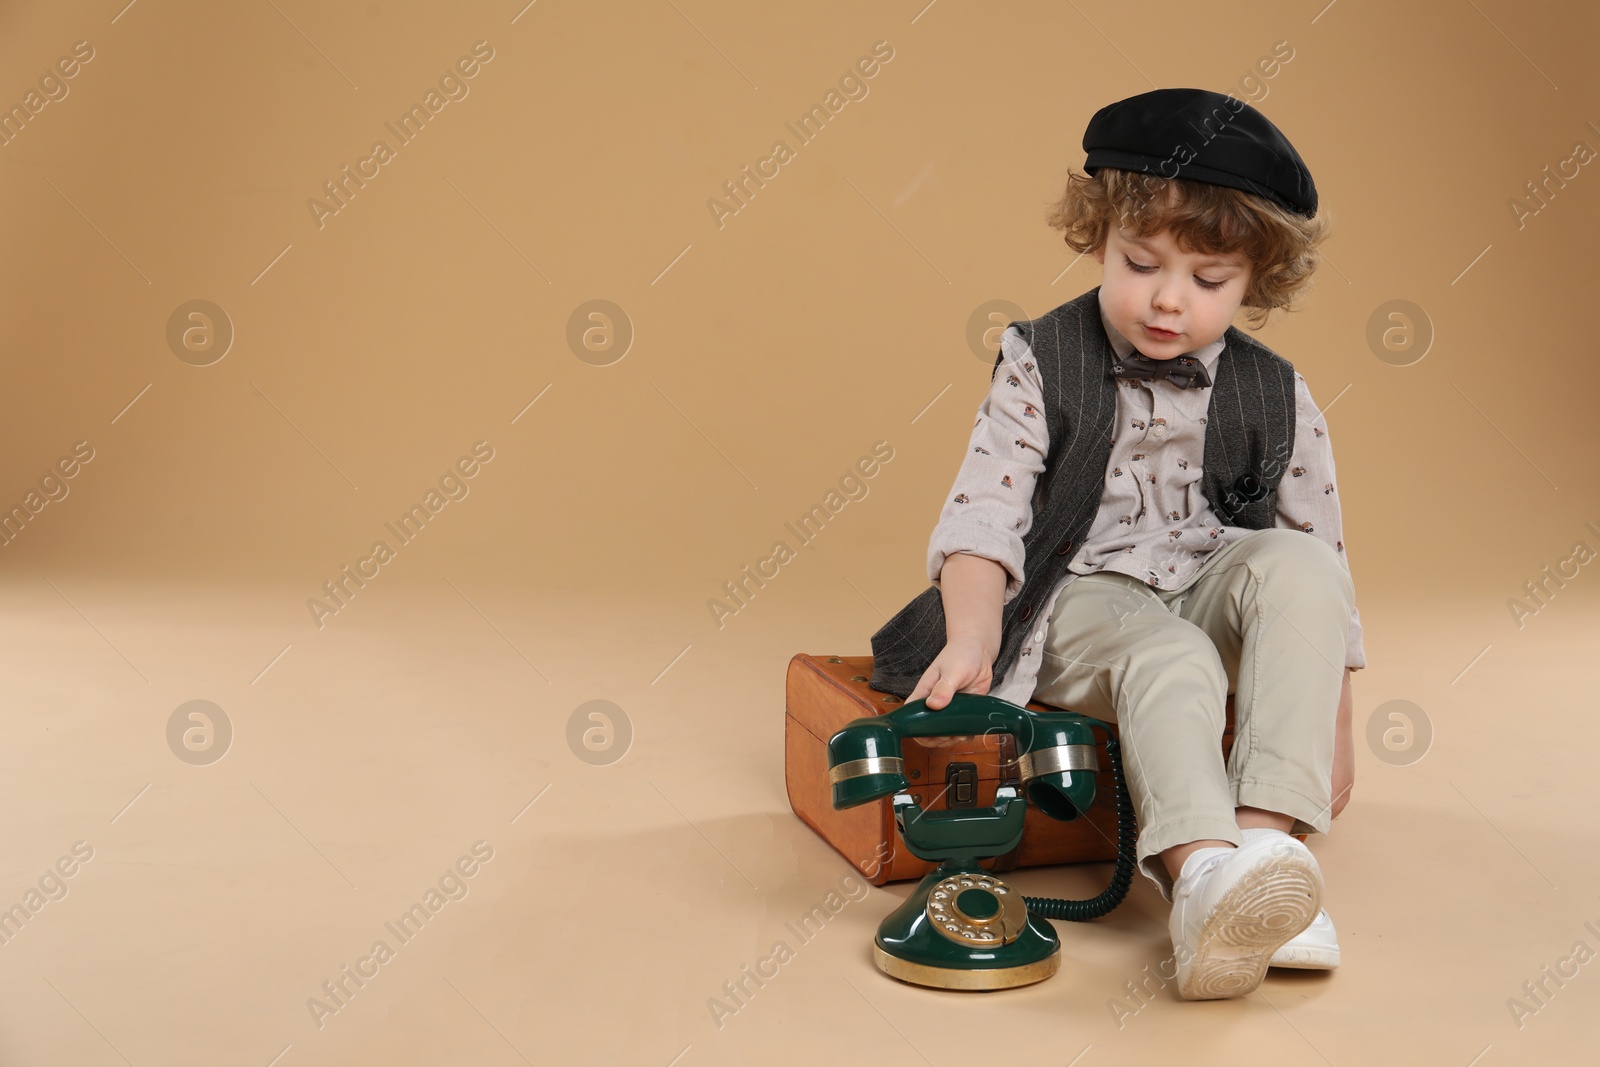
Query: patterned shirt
1153, 522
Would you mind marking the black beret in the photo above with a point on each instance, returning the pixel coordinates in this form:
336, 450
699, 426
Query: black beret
1205, 137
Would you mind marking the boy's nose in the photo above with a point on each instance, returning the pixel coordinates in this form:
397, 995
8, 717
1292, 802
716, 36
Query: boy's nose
1165, 300
1165, 295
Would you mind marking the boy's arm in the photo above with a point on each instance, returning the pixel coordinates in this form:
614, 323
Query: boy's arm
1344, 749
990, 506
1308, 500
973, 590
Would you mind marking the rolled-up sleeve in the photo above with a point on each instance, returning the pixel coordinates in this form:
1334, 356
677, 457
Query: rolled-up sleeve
1308, 497
990, 506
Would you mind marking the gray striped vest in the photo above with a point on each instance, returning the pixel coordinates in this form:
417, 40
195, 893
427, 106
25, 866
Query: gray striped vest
1249, 441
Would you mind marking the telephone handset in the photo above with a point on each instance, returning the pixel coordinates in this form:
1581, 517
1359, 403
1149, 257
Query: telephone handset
964, 928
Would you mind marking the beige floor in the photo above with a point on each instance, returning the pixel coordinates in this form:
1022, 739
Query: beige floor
709, 378
417, 727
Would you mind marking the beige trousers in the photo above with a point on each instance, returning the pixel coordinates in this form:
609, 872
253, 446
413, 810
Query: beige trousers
1266, 618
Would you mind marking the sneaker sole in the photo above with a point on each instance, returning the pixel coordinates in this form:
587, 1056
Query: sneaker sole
1265, 909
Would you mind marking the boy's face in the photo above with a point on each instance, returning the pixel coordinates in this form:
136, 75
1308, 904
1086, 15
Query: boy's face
1150, 284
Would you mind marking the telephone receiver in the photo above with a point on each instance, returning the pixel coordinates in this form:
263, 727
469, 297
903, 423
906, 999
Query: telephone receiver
964, 928
1057, 757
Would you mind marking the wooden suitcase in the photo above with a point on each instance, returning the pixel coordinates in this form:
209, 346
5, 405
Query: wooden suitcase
823, 693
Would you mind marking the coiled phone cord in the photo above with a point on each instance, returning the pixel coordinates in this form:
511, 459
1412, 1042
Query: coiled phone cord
1121, 875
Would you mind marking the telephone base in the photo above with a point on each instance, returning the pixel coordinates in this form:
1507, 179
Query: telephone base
964, 928
961, 978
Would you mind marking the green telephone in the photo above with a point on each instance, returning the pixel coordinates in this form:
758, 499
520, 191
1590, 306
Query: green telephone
963, 928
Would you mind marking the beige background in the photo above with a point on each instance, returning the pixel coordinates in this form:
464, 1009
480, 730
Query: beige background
769, 354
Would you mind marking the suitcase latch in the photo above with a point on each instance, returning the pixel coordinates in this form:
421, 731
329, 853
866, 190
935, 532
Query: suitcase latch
961, 785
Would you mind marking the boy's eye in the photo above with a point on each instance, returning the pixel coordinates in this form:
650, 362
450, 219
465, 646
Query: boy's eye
1139, 268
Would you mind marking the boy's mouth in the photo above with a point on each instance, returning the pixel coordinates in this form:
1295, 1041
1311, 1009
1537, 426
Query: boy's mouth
1162, 335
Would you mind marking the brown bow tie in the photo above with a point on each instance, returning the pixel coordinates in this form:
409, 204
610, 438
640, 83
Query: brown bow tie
1185, 372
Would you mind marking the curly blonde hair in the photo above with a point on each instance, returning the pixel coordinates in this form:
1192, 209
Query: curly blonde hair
1202, 218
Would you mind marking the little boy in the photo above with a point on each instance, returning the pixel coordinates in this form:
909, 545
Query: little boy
1127, 537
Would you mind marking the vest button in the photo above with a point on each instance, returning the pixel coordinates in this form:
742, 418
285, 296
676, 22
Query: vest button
1066, 546
1027, 612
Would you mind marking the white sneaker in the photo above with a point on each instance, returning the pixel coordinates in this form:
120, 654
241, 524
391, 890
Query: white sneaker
1314, 948
1234, 907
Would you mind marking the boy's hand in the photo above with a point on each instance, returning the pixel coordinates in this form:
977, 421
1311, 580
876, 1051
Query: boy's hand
973, 588
1344, 750
964, 666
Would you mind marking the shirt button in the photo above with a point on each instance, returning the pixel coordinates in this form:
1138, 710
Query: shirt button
1039, 636
1159, 430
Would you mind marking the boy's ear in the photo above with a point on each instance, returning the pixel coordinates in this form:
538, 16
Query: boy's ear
1100, 255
